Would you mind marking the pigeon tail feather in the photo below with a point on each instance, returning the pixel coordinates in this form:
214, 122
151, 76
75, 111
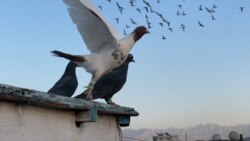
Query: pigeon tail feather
71, 57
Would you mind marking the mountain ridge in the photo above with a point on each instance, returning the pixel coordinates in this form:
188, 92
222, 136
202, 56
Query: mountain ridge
198, 132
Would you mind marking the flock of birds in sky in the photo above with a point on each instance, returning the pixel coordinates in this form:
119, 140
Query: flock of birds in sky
145, 8
110, 56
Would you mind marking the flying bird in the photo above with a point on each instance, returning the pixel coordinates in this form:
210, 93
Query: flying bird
170, 29
200, 8
117, 20
161, 24
214, 6
151, 10
131, 3
110, 83
149, 24
146, 8
108, 51
68, 83
145, 2
179, 6
200, 24
209, 10
100, 7
213, 18
183, 27
119, 7
138, 9
132, 21
124, 32
241, 9
178, 13
163, 37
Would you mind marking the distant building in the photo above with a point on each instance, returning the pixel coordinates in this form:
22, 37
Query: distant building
166, 137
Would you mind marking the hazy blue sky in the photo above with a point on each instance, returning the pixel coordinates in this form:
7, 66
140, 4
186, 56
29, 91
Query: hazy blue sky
195, 77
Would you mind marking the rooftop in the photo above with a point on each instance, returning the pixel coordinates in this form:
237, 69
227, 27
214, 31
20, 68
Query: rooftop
33, 97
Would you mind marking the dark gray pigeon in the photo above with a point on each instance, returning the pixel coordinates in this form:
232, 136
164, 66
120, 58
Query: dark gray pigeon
110, 83
68, 83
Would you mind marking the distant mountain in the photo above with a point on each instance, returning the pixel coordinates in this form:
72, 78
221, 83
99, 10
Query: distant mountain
199, 132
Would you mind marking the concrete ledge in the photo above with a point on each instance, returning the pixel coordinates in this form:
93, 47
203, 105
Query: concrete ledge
22, 95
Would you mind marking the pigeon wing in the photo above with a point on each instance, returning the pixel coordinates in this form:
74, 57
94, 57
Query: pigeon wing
94, 29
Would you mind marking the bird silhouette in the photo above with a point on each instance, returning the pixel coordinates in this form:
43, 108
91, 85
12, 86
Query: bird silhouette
110, 83
132, 21
179, 6
124, 32
161, 24
183, 27
200, 8
241, 9
148, 23
184, 14
145, 2
213, 18
138, 9
170, 29
178, 13
120, 8
146, 8
100, 7
200, 24
214, 6
68, 83
131, 3
208, 10
151, 10
117, 20
163, 37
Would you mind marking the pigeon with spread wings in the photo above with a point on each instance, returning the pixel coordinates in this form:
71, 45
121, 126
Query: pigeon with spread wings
110, 83
108, 51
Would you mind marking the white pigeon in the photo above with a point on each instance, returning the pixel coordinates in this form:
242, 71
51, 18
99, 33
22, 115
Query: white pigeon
108, 51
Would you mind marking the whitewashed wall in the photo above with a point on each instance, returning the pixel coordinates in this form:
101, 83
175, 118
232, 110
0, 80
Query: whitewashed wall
22, 122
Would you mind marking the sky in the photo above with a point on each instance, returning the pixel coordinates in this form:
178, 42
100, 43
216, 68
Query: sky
199, 76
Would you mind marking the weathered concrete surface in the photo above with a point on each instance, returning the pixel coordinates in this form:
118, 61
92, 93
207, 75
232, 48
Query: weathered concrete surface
30, 115
23, 122
16, 94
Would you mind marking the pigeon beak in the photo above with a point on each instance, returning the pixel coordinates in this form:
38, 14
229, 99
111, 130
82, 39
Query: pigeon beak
147, 32
133, 60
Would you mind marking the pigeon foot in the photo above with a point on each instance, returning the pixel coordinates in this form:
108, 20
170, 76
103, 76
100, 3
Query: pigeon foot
89, 94
113, 103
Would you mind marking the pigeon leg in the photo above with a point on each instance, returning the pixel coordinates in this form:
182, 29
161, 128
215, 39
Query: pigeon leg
90, 88
89, 94
109, 101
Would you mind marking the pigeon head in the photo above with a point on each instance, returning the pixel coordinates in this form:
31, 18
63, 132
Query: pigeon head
71, 68
130, 58
139, 32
